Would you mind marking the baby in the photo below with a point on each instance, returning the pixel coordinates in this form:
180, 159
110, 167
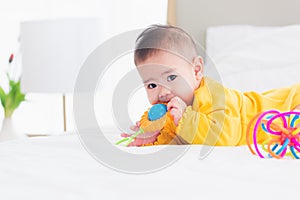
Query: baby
202, 110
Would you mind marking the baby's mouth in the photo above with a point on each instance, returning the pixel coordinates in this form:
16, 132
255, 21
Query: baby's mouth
165, 100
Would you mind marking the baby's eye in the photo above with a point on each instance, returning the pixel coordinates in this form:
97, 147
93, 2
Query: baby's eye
171, 78
151, 86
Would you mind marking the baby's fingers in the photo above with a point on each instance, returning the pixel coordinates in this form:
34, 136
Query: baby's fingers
125, 135
136, 127
138, 123
136, 143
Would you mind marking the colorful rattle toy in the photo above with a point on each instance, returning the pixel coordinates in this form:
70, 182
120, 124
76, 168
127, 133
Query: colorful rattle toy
284, 129
155, 121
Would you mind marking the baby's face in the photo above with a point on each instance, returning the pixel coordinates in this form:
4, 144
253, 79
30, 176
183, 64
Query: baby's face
166, 75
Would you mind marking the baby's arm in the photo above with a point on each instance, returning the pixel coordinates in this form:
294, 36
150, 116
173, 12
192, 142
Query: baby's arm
216, 127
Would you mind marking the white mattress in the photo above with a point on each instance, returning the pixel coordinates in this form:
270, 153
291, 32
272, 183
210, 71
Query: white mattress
58, 167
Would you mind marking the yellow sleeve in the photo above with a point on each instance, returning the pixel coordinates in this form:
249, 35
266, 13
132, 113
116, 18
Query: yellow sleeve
216, 128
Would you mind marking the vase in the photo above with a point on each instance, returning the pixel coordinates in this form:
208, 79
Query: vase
8, 131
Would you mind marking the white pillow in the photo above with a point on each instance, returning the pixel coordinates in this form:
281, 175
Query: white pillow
255, 58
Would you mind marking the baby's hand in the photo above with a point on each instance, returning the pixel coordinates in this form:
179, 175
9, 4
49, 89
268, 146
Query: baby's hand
297, 108
176, 106
142, 139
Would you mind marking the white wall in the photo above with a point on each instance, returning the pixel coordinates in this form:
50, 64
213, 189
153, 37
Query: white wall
42, 113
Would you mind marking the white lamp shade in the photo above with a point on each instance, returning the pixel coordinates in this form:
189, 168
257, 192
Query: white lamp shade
53, 52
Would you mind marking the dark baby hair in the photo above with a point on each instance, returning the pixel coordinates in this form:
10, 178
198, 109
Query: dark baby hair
164, 38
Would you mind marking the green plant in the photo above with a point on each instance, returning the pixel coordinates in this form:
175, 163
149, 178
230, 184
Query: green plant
13, 98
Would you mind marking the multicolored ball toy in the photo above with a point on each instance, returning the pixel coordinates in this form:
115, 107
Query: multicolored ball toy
284, 131
155, 121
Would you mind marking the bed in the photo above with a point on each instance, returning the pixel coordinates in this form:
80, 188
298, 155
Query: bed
62, 167
59, 167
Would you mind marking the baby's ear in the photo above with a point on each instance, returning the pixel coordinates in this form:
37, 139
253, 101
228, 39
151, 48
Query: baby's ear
198, 66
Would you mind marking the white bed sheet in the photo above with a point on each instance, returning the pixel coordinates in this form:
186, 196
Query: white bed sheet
58, 167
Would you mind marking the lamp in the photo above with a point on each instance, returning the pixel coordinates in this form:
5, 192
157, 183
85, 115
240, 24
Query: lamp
53, 52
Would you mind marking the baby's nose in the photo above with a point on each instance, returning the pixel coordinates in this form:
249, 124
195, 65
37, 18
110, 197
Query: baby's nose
164, 94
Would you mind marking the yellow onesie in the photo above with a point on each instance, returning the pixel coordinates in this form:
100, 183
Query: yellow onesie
219, 116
